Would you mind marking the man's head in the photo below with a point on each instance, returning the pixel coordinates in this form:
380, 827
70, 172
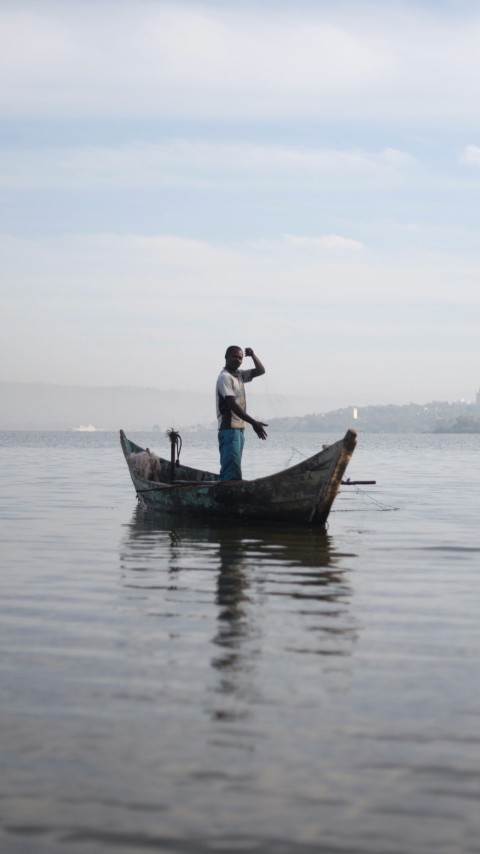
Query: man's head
233, 358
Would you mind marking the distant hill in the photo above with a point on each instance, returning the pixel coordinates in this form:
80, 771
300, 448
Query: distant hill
462, 424
45, 406
434, 417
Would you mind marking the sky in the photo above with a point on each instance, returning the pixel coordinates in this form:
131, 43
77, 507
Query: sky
297, 177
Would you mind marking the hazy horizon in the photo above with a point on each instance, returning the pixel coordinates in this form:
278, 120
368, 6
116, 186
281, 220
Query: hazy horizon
47, 406
255, 391
297, 178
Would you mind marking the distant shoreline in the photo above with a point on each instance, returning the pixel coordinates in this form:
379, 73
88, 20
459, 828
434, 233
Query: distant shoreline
48, 407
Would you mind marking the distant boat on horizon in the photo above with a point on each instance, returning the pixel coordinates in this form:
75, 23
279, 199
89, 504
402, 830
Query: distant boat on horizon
85, 428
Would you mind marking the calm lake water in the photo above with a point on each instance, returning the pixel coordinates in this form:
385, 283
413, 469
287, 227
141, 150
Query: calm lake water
182, 688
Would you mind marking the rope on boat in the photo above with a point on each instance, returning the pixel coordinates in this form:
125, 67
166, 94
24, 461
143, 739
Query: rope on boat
365, 496
294, 451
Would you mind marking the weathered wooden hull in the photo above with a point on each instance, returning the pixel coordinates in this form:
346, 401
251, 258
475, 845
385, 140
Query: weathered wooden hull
302, 494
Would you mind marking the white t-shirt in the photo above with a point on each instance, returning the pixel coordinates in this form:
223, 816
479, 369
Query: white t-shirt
231, 385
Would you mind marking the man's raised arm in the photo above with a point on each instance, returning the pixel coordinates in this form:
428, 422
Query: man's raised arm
258, 370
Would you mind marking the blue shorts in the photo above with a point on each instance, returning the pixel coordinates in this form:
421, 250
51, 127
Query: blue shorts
231, 443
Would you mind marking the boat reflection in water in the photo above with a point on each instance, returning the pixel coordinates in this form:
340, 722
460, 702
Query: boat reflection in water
258, 602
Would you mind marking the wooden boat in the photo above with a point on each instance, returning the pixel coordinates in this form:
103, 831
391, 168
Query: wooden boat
303, 493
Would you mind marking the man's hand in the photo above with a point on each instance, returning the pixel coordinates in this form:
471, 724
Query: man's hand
248, 351
258, 427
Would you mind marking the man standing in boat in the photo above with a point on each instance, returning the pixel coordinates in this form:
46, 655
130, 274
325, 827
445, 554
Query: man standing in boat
232, 413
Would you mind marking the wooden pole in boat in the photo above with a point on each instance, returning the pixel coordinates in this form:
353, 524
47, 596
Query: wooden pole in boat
349, 482
172, 459
175, 447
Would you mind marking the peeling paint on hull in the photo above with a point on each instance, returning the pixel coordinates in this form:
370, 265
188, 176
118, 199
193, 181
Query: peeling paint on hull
301, 494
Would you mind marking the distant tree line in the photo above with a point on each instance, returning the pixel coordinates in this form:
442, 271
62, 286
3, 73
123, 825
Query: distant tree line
435, 417
462, 424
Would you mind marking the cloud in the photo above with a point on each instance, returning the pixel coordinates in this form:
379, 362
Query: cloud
326, 241
471, 155
238, 61
201, 164
170, 58
128, 270
135, 309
